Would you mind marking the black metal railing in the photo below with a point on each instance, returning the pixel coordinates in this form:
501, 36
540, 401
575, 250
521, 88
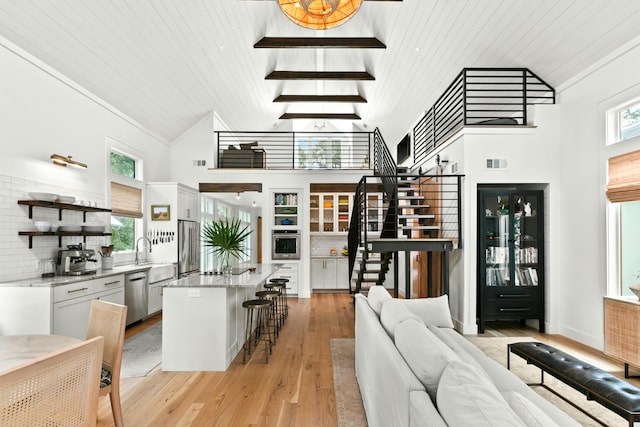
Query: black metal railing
480, 97
294, 150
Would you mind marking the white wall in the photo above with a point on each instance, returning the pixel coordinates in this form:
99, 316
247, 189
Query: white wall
581, 232
43, 113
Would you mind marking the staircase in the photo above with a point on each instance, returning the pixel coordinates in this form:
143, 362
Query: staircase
419, 213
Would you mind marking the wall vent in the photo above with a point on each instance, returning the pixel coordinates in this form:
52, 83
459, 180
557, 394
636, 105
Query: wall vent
496, 163
454, 168
199, 163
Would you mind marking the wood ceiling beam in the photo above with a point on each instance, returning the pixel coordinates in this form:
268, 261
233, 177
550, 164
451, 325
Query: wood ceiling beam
214, 187
320, 98
328, 116
319, 75
319, 42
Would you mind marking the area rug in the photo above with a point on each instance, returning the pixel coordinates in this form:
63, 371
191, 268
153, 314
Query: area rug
348, 399
142, 352
496, 348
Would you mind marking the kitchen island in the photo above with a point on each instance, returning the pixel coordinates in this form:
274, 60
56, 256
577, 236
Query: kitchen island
203, 320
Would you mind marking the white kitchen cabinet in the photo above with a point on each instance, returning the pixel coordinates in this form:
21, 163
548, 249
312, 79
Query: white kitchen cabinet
329, 273
330, 212
158, 277
288, 271
71, 317
188, 206
72, 303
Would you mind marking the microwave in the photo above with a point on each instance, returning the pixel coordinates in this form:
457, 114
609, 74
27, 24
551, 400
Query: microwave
285, 244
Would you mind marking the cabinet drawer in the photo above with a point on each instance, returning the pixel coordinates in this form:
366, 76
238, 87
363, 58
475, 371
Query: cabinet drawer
512, 308
108, 283
73, 290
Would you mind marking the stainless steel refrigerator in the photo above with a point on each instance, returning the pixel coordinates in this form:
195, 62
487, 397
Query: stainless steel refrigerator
188, 248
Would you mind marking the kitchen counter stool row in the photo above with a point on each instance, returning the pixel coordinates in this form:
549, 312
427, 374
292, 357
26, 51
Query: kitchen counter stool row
265, 317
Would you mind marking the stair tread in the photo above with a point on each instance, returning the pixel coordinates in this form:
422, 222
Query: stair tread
419, 227
410, 197
415, 216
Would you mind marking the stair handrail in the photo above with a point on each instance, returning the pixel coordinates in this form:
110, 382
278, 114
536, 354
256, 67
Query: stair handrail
355, 227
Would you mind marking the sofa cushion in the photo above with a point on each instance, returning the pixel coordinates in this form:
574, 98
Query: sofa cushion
393, 313
433, 311
376, 296
529, 412
467, 398
425, 354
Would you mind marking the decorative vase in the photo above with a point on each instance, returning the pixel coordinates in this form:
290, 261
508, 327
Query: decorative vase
636, 290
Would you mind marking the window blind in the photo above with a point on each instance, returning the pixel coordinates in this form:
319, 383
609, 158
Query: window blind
624, 178
126, 201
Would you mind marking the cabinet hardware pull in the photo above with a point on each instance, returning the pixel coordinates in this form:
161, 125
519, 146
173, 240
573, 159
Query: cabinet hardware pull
513, 295
285, 277
77, 290
514, 309
112, 283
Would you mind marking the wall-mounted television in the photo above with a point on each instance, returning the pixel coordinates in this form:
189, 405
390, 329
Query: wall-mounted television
403, 149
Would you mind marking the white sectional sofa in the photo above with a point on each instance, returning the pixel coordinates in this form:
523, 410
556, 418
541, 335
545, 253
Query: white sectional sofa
415, 370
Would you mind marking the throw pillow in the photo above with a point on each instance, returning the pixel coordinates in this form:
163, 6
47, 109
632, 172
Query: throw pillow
248, 146
529, 412
425, 354
376, 296
393, 313
467, 398
433, 311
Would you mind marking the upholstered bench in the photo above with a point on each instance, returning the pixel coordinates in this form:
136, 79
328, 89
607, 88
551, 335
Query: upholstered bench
610, 391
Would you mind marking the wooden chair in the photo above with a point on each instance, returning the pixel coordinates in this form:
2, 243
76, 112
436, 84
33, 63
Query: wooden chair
108, 320
60, 388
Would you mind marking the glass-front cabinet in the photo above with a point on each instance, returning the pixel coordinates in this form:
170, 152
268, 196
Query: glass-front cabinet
510, 255
329, 212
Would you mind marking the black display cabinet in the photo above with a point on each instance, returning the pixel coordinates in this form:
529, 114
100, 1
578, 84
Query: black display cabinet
510, 255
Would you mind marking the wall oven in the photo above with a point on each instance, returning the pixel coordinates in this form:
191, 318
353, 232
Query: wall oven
285, 244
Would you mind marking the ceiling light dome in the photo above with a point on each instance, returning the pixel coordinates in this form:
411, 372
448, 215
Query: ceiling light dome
319, 14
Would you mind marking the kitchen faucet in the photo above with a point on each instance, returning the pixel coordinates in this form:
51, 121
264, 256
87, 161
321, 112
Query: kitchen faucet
143, 237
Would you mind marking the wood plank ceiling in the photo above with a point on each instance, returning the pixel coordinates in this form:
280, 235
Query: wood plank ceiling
169, 63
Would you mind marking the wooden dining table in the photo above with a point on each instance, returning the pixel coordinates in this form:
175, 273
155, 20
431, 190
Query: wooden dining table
16, 350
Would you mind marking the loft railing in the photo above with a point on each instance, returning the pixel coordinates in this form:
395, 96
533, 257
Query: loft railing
294, 150
480, 97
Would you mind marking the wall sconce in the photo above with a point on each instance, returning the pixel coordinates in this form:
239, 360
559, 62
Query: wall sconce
66, 161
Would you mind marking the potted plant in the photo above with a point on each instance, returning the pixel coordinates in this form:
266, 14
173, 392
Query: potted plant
225, 238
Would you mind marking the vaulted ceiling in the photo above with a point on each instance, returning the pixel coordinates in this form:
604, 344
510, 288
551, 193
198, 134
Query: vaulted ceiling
169, 63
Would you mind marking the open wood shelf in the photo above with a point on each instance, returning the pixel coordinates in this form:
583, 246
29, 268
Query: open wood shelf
61, 207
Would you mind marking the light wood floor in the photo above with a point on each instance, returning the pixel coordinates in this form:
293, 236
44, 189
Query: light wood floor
294, 389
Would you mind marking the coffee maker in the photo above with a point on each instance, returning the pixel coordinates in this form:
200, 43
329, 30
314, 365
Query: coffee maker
75, 261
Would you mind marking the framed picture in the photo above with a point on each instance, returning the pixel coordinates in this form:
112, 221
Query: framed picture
160, 213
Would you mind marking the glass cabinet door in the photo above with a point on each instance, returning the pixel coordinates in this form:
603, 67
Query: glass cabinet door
498, 239
314, 213
526, 240
344, 210
327, 213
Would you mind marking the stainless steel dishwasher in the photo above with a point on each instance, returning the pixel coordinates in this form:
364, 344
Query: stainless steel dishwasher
135, 296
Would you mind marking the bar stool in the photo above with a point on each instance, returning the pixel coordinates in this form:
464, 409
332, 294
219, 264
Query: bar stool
282, 288
258, 310
283, 282
273, 296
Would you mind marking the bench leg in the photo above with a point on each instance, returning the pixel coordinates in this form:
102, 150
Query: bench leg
626, 372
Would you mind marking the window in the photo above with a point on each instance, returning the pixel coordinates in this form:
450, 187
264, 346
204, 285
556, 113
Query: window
629, 245
126, 200
623, 122
245, 220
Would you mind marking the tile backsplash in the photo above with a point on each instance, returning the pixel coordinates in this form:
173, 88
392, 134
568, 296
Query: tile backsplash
17, 261
321, 244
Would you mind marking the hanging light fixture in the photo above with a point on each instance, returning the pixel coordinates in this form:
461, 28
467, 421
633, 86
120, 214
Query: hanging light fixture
319, 14
66, 161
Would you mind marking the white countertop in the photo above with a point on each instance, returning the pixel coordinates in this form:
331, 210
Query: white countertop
329, 257
246, 279
63, 280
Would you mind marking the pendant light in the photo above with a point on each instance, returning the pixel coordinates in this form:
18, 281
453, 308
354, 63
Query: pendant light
319, 14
